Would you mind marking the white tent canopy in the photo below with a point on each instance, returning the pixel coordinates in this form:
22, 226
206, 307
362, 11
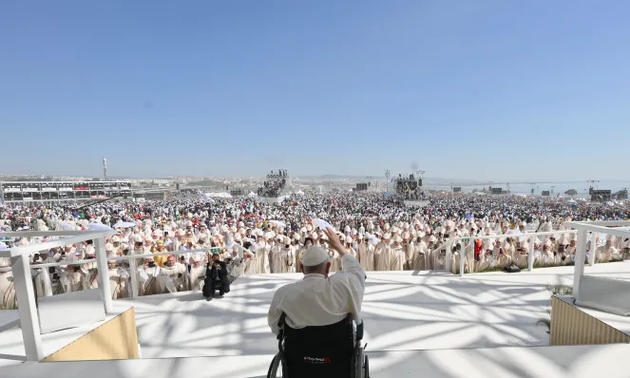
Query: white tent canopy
299, 193
219, 195
251, 194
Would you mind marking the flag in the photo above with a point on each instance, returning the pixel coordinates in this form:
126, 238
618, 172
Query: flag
203, 195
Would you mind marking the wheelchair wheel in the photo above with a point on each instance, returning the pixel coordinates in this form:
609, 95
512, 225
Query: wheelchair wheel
358, 364
277, 367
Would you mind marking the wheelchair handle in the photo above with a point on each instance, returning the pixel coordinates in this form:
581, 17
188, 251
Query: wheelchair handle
359, 334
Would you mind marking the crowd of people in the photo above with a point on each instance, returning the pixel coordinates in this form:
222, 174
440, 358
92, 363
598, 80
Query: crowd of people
183, 238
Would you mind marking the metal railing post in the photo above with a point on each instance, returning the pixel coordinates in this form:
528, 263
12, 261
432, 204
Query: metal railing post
580, 255
133, 278
449, 256
103, 274
463, 255
26, 306
530, 254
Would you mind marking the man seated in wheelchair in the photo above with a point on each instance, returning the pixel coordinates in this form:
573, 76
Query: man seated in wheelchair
314, 317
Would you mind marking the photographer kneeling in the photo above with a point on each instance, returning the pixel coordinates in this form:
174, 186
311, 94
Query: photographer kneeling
216, 278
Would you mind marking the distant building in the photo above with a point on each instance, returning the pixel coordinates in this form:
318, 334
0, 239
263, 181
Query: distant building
54, 191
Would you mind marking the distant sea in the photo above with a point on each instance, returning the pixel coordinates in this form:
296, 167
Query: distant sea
580, 186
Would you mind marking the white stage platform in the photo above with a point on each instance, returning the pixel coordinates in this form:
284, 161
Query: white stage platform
12, 345
401, 310
584, 361
404, 313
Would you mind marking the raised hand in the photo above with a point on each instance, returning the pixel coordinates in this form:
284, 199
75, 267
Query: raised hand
334, 242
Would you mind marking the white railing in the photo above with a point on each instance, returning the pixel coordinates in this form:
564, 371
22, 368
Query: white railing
466, 240
594, 227
131, 259
21, 271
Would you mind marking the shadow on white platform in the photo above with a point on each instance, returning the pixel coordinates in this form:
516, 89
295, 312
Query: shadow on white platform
608, 361
401, 310
404, 313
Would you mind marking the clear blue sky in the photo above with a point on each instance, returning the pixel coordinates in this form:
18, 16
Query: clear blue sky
484, 89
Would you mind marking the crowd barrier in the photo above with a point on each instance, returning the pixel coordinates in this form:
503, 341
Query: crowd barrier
468, 243
132, 261
21, 269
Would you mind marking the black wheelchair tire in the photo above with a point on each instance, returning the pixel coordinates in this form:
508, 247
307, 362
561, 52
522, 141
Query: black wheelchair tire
366, 368
358, 363
276, 363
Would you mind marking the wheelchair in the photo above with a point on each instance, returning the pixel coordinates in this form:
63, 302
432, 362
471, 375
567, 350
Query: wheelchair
332, 351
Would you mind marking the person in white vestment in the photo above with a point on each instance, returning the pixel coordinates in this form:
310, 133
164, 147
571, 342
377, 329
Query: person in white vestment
418, 261
383, 255
151, 280
8, 299
176, 275
277, 260
607, 252
320, 299
262, 256
350, 249
398, 255
308, 242
249, 261
289, 255
366, 253
197, 272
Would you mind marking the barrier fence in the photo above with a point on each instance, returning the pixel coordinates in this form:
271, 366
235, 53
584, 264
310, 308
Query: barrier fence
467, 242
24, 290
131, 260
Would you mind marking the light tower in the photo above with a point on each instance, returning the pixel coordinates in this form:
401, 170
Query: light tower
104, 169
593, 184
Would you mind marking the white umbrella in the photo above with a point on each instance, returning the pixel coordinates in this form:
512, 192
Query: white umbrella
374, 240
278, 223
124, 225
322, 224
66, 226
99, 227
